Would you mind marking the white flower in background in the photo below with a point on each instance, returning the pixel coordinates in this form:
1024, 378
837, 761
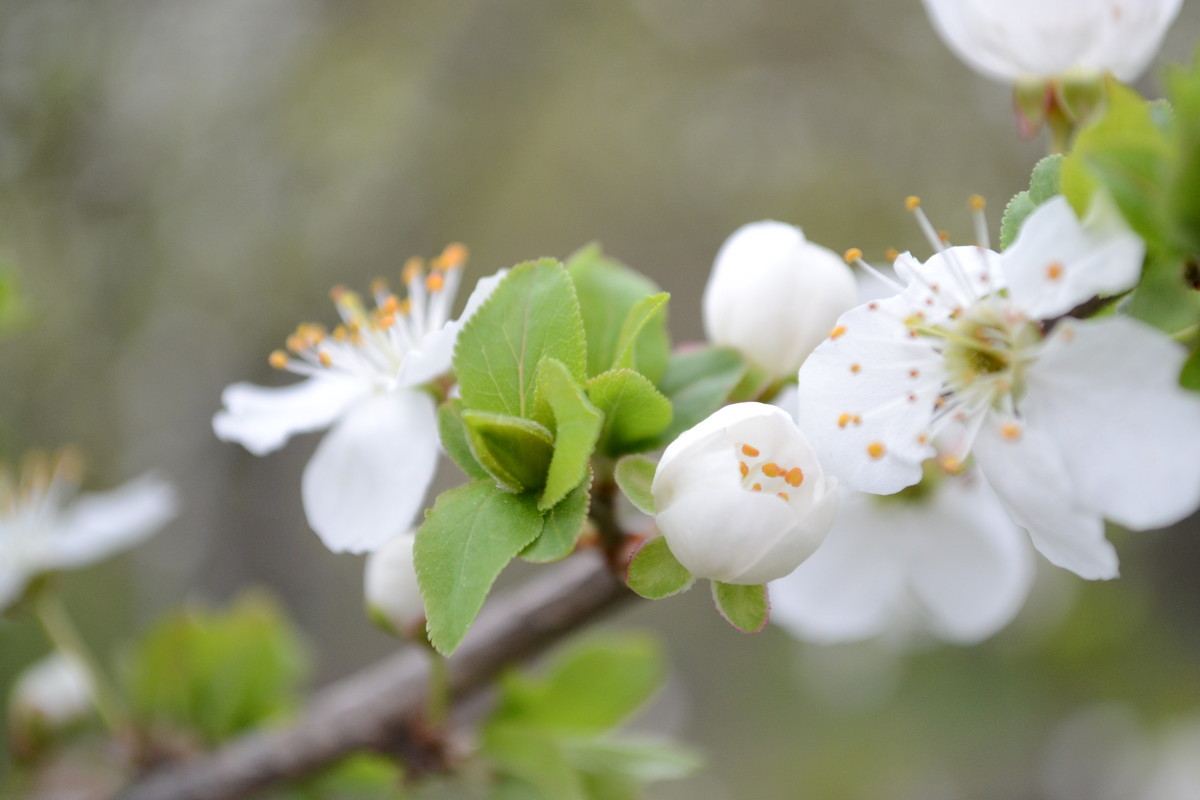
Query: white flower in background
1071, 421
741, 497
1009, 40
367, 479
45, 527
52, 693
948, 559
773, 295
390, 585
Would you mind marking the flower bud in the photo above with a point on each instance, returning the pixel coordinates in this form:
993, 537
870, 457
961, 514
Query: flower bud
741, 497
774, 296
47, 697
393, 600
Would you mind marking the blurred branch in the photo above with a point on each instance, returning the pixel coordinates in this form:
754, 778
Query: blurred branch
379, 707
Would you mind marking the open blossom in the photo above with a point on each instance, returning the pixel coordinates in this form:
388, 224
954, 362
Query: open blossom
1009, 41
773, 295
390, 585
741, 497
367, 479
45, 527
1071, 421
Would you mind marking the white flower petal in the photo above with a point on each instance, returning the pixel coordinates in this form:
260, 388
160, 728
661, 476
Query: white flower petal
1056, 262
1031, 479
434, 354
13, 578
1106, 391
390, 585
950, 280
99, 524
367, 479
263, 418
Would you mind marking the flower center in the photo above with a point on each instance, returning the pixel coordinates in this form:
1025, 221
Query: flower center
760, 474
986, 350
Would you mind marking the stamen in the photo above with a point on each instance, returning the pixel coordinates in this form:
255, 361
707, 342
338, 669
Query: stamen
435, 281
854, 256
845, 420
795, 476
1054, 271
756, 487
744, 467
837, 331
977, 205
784, 495
856, 368
325, 359
278, 359
750, 451
1011, 431
876, 450
771, 470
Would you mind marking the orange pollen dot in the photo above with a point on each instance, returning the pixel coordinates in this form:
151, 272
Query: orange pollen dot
943, 236
912, 202
892, 254
337, 293
391, 305
744, 467
339, 333
795, 476
1011, 431
278, 359
952, 465
387, 321
784, 495
325, 359
413, 269
873, 305
1054, 271
405, 306
455, 255
747, 450
876, 450
857, 419
379, 286
756, 487
296, 343
923, 438
977, 203
837, 331
912, 398
771, 470
844, 420
856, 368
435, 281
852, 255
914, 373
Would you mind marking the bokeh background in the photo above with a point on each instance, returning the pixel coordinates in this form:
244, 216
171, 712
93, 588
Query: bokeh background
181, 182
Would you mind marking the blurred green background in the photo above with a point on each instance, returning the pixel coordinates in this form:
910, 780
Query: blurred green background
182, 182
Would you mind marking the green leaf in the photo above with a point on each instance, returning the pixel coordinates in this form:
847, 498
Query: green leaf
642, 757
359, 777
470, 534
1163, 298
744, 607
14, 310
1183, 190
561, 528
697, 384
532, 314
634, 411
217, 673
1044, 183
634, 476
453, 433
535, 759
608, 291
1020, 207
516, 452
577, 425
639, 317
589, 689
1189, 378
654, 572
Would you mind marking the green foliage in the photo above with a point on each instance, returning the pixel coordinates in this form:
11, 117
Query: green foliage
1189, 378
609, 295
697, 384
515, 451
531, 315
655, 573
453, 434
471, 533
1183, 189
634, 411
1043, 184
634, 475
577, 425
744, 607
643, 313
217, 673
14, 310
360, 777
561, 527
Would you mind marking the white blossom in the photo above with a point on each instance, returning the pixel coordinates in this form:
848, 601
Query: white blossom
773, 295
741, 497
1071, 421
1011, 40
53, 692
390, 585
45, 527
366, 482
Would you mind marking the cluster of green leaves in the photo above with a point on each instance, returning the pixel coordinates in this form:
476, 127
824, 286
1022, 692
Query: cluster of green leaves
549, 738
14, 309
562, 371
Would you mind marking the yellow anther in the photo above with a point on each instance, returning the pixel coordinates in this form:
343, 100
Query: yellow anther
379, 286
278, 359
435, 281
340, 334
405, 306
413, 269
856, 368
756, 487
876, 450
914, 373
858, 419
923, 438
872, 306
943, 237
391, 304
387, 320
845, 420
784, 495
1011, 431
337, 293
837, 331
455, 255
892, 254
325, 359
795, 476
1054, 270
852, 255
311, 332
747, 450
977, 203
952, 465
771, 469
744, 467
912, 202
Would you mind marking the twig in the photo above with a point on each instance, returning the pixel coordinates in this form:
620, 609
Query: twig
374, 708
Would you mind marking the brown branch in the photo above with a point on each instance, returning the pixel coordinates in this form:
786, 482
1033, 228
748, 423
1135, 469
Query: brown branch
375, 707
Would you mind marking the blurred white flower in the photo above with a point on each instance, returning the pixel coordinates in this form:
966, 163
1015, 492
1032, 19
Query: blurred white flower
1071, 421
947, 559
45, 527
741, 497
390, 585
1009, 41
51, 693
773, 295
367, 479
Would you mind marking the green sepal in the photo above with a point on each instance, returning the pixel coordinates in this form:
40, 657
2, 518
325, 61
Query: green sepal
453, 433
561, 527
697, 384
655, 573
468, 537
634, 411
1044, 183
634, 476
532, 314
744, 607
516, 452
577, 425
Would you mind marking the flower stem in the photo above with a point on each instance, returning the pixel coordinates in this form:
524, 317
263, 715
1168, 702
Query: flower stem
61, 631
438, 708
